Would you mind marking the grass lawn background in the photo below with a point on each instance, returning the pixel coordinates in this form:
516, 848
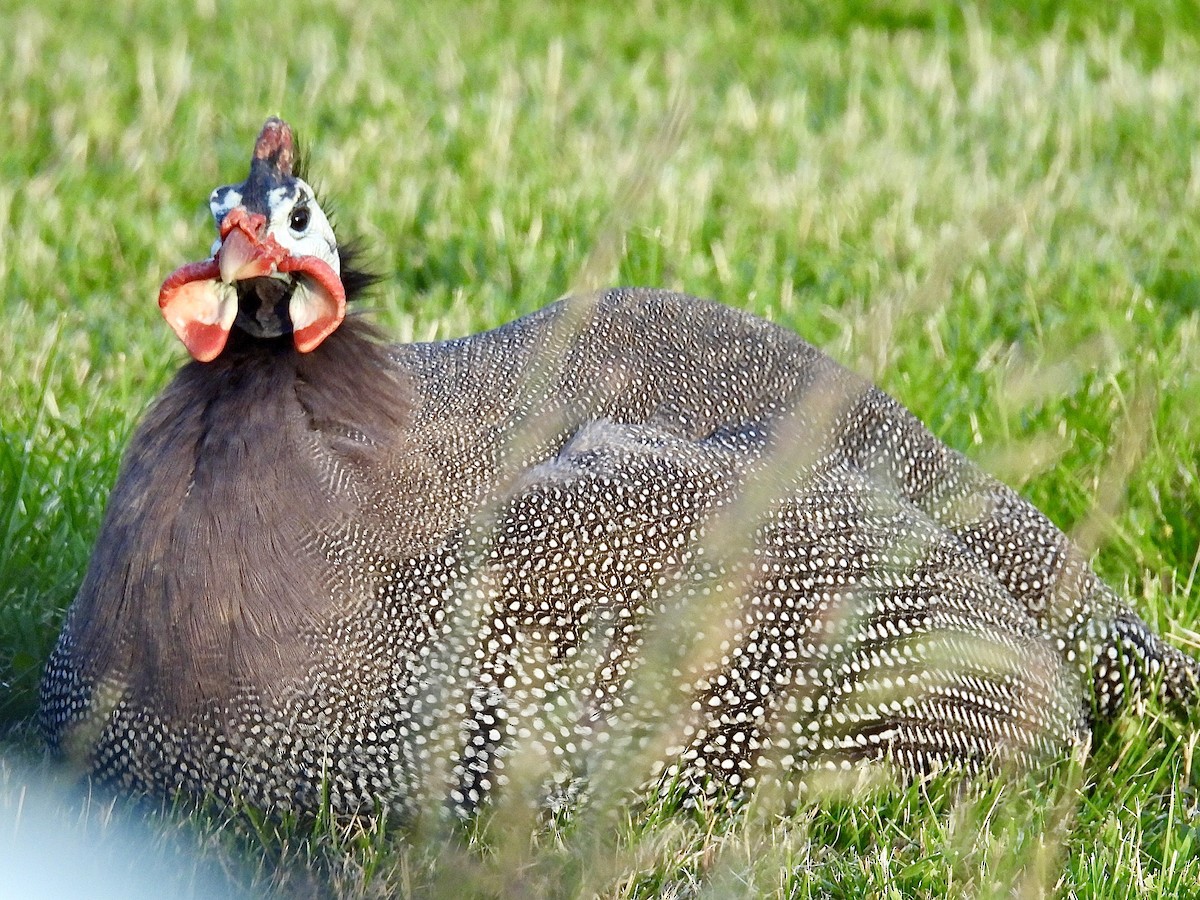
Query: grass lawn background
989, 210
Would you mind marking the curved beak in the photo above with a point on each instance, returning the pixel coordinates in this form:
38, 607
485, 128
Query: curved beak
243, 253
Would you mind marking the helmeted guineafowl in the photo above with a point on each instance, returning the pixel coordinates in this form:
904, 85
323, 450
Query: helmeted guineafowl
635, 530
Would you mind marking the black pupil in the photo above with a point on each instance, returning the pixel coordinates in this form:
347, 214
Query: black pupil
299, 218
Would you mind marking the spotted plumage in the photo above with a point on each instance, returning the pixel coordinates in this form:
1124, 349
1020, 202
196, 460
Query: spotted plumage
633, 539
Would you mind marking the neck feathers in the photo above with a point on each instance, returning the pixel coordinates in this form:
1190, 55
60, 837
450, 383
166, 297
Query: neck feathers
209, 573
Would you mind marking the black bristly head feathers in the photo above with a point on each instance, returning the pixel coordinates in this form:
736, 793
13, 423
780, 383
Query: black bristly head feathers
358, 274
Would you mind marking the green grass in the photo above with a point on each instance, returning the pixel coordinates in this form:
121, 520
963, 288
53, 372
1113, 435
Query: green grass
990, 211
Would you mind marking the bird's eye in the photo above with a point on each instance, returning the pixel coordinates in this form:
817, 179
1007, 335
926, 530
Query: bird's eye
299, 219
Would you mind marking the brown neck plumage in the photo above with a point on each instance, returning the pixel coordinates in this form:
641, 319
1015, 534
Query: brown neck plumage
209, 572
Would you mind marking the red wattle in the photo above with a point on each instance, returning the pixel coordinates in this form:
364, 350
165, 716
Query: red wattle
197, 271
330, 290
198, 315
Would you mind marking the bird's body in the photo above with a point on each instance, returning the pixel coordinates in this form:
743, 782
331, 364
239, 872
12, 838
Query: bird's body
636, 533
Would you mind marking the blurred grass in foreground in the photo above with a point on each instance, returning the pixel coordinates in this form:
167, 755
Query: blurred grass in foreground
989, 211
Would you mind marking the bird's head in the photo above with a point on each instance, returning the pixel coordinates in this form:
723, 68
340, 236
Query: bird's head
275, 267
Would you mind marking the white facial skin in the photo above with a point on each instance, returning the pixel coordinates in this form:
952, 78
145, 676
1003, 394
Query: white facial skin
301, 228
296, 221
